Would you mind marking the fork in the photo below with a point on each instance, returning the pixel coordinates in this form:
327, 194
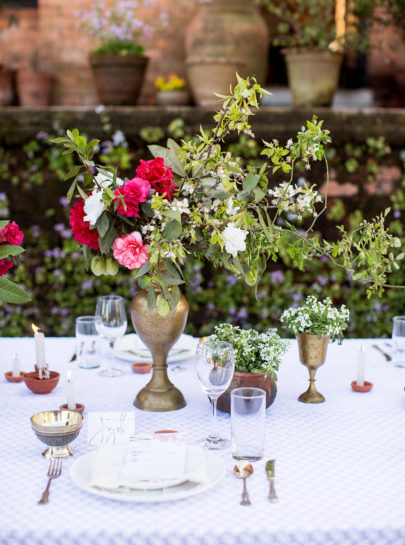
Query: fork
54, 471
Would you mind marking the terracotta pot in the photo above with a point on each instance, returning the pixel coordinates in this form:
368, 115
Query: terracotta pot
6, 87
179, 97
313, 75
118, 78
34, 90
41, 386
10, 378
232, 29
159, 334
253, 380
209, 76
79, 408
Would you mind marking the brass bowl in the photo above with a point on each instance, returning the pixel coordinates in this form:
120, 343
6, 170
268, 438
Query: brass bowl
57, 429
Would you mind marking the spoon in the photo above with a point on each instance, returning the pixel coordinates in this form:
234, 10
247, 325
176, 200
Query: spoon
270, 475
243, 470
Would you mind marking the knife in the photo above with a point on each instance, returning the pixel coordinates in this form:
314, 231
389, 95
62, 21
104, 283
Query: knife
270, 475
387, 356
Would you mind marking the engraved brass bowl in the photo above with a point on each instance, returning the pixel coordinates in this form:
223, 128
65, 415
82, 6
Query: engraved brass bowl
57, 429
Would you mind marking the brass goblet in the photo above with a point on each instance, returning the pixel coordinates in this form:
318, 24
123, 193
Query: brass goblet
57, 429
312, 350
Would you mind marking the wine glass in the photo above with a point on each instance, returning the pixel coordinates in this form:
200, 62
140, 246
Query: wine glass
111, 324
214, 364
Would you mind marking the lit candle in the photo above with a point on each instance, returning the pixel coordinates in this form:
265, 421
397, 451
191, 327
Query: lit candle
16, 371
39, 346
360, 366
70, 393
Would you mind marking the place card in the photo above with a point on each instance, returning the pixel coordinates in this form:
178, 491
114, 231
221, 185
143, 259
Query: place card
155, 458
110, 428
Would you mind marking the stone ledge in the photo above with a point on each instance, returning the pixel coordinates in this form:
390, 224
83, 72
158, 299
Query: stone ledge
346, 125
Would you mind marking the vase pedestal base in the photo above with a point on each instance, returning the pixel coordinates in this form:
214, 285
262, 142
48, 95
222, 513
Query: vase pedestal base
311, 396
159, 401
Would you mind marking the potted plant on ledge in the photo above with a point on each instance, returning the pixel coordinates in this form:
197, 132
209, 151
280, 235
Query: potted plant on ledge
119, 63
171, 92
257, 359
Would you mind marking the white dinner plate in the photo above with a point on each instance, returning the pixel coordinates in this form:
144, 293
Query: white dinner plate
80, 475
131, 348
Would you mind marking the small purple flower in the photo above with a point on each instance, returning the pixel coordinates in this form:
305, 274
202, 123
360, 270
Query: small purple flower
397, 214
58, 227
322, 280
297, 297
242, 314
277, 277
34, 231
231, 279
210, 284
63, 201
232, 311
87, 285
210, 306
323, 258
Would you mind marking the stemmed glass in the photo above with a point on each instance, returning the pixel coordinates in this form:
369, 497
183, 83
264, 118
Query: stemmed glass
111, 323
214, 364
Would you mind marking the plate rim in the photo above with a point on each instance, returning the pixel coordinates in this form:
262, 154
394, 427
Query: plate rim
130, 357
149, 496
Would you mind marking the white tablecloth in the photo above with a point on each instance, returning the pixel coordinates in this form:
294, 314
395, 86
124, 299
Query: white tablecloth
340, 471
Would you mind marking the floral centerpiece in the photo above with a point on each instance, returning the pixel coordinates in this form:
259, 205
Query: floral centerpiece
257, 359
11, 238
315, 323
196, 200
318, 318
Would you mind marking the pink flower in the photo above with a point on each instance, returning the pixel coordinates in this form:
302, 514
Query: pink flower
134, 192
159, 175
11, 234
5, 265
130, 251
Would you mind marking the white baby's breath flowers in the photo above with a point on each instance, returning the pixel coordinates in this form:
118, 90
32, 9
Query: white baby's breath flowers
234, 239
317, 318
93, 207
298, 199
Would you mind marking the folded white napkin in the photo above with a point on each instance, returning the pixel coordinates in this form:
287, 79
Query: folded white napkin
158, 464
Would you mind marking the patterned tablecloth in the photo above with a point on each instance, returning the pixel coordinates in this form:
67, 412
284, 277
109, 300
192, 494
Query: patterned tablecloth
340, 469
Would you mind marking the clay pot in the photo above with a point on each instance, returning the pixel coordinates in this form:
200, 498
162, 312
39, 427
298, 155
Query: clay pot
34, 90
141, 367
179, 97
10, 378
232, 29
242, 379
209, 76
313, 75
41, 386
6, 87
79, 408
118, 78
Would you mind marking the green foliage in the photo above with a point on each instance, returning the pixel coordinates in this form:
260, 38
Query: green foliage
119, 47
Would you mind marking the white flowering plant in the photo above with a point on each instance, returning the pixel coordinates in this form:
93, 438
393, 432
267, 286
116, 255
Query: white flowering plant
316, 317
194, 199
254, 352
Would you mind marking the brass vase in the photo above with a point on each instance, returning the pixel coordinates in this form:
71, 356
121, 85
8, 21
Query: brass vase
312, 350
159, 333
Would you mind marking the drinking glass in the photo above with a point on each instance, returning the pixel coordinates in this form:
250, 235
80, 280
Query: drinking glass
214, 364
248, 410
87, 342
398, 341
111, 324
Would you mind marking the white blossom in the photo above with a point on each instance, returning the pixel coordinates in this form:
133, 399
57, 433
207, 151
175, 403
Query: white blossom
234, 239
105, 181
93, 207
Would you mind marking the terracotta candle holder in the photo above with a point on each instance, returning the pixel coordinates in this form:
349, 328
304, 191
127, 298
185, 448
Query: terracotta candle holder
79, 408
366, 388
141, 367
41, 385
10, 378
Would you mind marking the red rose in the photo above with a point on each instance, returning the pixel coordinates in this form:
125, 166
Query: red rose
159, 175
5, 265
81, 228
11, 234
134, 192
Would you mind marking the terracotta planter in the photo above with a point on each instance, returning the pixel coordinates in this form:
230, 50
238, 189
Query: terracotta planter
254, 380
179, 97
41, 386
118, 78
313, 75
6, 87
232, 29
209, 76
34, 90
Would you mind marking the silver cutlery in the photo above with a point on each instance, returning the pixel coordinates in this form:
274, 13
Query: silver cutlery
270, 475
243, 470
54, 471
386, 356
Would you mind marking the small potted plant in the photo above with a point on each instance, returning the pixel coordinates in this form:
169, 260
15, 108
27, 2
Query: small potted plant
119, 63
314, 324
34, 87
257, 359
171, 91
